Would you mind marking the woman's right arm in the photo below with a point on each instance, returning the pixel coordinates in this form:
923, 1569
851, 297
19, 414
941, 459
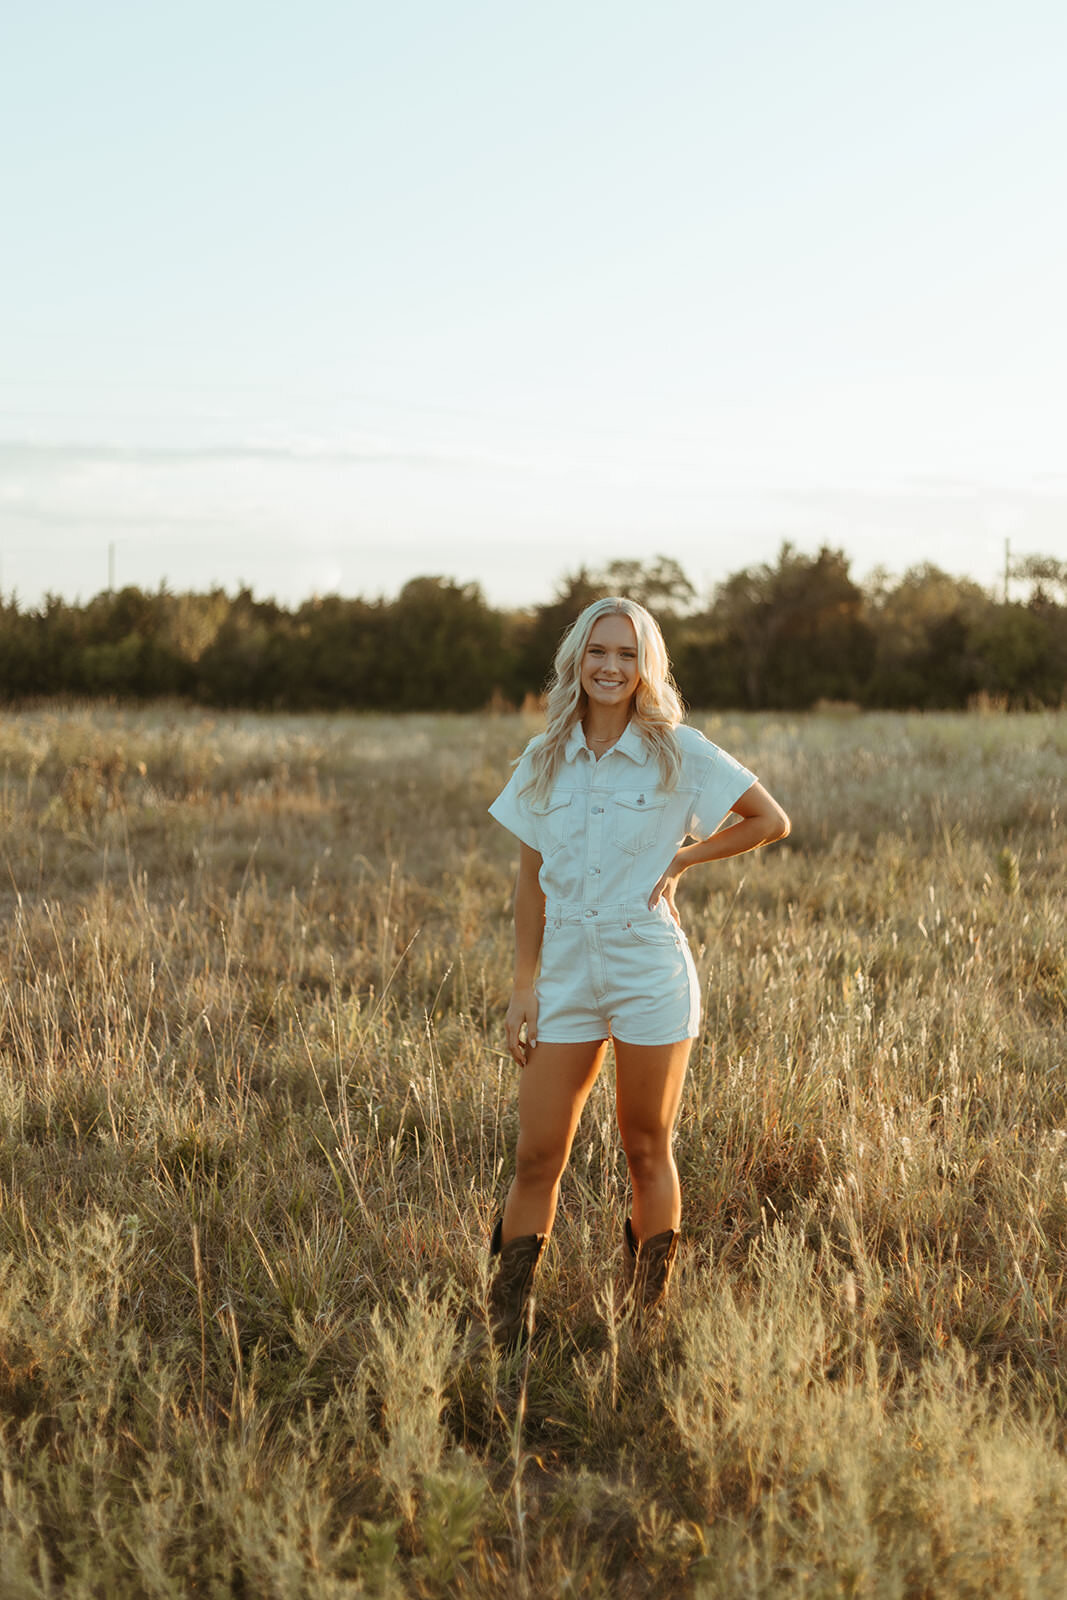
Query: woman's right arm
529, 931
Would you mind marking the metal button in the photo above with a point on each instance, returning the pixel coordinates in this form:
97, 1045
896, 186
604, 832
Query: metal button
597, 810
594, 872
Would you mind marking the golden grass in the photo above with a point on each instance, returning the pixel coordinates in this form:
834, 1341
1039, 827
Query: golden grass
256, 1120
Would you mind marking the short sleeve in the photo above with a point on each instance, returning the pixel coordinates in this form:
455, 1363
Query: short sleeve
722, 781
512, 809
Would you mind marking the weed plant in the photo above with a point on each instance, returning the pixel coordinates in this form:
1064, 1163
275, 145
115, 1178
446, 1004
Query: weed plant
256, 1120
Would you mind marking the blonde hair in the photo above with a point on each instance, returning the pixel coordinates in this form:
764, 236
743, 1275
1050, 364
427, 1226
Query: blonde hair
657, 707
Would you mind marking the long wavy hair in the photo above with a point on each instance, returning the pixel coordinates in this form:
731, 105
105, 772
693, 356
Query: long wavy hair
657, 707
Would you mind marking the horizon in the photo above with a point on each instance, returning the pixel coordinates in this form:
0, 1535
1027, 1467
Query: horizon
704, 597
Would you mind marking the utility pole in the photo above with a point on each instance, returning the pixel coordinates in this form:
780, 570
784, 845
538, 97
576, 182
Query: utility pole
1007, 567
111, 567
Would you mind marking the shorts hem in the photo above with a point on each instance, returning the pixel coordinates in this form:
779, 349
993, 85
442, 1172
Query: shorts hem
681, 1039
592, 1038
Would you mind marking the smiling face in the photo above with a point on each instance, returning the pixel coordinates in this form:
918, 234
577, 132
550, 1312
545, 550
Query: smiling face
609, 665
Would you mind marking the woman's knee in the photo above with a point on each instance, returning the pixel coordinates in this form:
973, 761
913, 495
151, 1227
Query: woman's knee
648, 1155
539, 1164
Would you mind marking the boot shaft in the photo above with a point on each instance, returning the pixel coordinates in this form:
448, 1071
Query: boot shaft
650, 1263
509, 1293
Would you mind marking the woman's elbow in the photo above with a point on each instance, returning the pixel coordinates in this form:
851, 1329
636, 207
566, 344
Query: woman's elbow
778, 826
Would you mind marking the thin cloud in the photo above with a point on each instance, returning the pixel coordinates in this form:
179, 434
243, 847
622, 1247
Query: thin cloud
23, 454
40, 513
1048, 488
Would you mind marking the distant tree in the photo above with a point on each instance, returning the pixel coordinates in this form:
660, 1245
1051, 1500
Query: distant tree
922, 628
443, 647
1046, 574
190, 622
333, 649
1015, 655
247, 663
660, 584
60, 632
20, 653
783, 635
128, 648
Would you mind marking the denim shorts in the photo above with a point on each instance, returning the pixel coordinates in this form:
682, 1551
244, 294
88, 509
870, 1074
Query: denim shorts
623, 971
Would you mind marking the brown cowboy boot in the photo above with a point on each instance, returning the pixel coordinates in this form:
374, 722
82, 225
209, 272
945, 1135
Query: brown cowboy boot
650, 1264
509, 1293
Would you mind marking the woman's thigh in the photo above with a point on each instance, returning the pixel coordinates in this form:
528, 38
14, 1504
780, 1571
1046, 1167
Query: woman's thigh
553, 1087
649, 1079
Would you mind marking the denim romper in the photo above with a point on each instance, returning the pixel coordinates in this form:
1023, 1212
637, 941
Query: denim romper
609, 831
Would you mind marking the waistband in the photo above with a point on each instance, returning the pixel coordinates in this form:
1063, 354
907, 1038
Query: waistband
575, 911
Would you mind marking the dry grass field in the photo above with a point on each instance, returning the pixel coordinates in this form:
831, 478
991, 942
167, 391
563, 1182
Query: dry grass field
256, 1121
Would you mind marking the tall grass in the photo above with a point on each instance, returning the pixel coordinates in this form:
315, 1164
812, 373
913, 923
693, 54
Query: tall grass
256, 1119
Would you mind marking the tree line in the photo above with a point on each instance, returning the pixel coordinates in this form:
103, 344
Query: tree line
781, 635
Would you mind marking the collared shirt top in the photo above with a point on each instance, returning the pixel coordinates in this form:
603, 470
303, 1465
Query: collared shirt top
610, 827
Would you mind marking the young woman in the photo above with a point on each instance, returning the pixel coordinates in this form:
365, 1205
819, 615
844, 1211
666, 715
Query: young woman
602, 804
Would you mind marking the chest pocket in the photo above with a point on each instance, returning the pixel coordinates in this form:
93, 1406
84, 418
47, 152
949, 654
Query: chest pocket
553, 824
636, 818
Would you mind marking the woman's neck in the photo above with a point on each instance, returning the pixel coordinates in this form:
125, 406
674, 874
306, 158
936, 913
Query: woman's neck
602, 729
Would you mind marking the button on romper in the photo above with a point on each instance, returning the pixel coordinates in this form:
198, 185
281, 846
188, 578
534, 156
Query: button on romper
608, 832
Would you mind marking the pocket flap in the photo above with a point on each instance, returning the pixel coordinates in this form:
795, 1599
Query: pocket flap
639, 799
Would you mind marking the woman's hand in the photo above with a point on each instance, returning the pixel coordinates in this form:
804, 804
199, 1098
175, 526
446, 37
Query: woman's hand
665, 888
521, 1012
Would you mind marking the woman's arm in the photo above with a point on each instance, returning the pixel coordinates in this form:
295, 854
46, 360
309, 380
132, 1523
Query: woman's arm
529, 931
762, 821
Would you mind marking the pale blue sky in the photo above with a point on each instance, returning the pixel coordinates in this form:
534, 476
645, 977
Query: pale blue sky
324, 296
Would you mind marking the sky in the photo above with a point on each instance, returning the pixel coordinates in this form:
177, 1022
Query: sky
321, 297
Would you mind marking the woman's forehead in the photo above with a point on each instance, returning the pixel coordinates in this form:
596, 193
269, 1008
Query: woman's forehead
614, 630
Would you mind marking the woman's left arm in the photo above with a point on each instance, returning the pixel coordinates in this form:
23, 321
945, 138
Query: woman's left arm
761, 821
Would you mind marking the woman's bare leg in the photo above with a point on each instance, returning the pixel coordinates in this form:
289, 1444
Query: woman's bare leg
553, 1088
648, 1092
